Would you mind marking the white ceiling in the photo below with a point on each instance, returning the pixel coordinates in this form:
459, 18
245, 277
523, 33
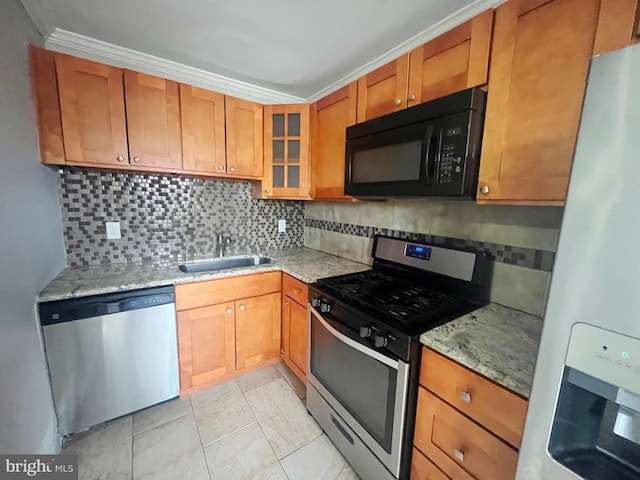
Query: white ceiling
283, 49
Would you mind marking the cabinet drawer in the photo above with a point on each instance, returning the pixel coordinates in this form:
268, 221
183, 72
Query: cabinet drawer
423, 469
458, 446
211, 292
295, 289
494, 407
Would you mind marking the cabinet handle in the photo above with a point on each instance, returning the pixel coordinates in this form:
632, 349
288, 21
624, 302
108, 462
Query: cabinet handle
484, 189
120, 158
229, 310
465, 397
296, 291
286, 304
267, 191
411, 97
398, 102
242, 307
459, 454
136, 159
220, 167
232, 169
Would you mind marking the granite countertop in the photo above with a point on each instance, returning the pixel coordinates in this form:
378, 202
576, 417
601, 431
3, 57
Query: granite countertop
495, 341
302, 263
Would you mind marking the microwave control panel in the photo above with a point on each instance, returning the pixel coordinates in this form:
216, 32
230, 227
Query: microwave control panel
450, 165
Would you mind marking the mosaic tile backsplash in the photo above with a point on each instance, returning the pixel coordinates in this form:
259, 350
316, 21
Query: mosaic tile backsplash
168, 218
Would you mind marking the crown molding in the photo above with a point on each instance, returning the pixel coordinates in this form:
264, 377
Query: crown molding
71, 43
446, 24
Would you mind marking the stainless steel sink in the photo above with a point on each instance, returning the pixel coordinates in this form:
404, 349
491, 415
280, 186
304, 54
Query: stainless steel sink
224, 263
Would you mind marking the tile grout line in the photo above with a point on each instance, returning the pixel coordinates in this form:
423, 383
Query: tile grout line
200, 438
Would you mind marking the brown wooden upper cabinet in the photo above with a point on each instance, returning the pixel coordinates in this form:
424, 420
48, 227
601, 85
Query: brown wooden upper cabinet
330, 117
95, 129
286, 151
539, 62
243, 121
454, 61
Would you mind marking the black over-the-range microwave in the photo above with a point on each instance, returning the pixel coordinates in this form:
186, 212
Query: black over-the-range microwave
432, 149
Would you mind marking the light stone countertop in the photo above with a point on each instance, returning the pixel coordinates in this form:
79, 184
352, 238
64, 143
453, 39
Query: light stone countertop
304, 264
495, 341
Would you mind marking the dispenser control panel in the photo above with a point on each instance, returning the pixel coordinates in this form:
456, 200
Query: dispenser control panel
609, 356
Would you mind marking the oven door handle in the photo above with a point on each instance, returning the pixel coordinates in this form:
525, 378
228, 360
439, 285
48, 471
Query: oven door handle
352, 343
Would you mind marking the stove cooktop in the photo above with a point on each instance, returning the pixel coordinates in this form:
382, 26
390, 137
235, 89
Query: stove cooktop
401, 303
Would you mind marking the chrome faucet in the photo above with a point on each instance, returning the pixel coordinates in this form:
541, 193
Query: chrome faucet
221, 244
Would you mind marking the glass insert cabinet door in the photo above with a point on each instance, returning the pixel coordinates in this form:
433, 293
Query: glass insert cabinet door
286, 151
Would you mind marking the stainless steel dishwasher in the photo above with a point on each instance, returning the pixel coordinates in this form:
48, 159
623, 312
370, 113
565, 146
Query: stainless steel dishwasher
110, 354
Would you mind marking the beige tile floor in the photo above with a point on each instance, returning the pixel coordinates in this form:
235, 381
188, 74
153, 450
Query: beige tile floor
253, 427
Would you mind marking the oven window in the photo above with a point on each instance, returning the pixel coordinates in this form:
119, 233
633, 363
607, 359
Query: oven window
391, 163
364, 386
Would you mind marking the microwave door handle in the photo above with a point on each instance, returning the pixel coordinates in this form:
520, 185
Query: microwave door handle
430, 153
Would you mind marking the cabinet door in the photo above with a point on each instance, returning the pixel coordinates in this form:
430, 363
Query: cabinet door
295, 337
286, 151
94, 127
330, 118
616, 23
539, 62
456, 60
244, 138
203, 139
153, 121
206, 344
384, 90
257, 329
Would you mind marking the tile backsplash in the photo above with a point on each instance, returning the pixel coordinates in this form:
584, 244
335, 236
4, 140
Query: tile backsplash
522, 240
167, 218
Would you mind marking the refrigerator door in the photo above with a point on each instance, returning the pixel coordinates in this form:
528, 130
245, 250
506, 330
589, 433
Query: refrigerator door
596, 277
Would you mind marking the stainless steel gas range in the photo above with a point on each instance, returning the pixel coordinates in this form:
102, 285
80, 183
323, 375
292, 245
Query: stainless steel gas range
364, 345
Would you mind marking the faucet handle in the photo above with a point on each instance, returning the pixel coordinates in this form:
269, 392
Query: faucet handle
227, 240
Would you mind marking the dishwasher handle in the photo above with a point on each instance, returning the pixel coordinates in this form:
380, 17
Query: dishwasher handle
98, 305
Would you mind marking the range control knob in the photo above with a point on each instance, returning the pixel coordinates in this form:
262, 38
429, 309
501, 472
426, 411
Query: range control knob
365, 331
315, 301
381, 341
325, 305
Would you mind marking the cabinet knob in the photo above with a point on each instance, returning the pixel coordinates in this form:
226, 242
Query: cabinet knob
267, 191
232, 169
484, 189
220, 167
229, 310
296, 291
242, 307
465, 397
136, 159
411, 97
120, 158
286, 304
398, 102
459, 454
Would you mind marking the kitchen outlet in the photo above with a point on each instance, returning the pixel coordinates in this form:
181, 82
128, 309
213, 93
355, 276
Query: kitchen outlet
282, 225
113, 230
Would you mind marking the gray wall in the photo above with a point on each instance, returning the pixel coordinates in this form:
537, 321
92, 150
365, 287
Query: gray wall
523, 240
32, 247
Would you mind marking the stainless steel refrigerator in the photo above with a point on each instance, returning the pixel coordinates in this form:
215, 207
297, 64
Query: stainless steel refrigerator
583, 419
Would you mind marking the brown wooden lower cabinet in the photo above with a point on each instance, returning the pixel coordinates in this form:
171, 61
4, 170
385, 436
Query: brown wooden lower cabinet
257, 329
295, 326
206, 344
220, 341
467, 427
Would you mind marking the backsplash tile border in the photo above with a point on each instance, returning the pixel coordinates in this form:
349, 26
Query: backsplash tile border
519, 256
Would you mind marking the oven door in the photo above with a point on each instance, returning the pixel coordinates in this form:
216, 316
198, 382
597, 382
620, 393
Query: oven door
367, 389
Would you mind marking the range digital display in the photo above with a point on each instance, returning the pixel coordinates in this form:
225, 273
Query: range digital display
417, 251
